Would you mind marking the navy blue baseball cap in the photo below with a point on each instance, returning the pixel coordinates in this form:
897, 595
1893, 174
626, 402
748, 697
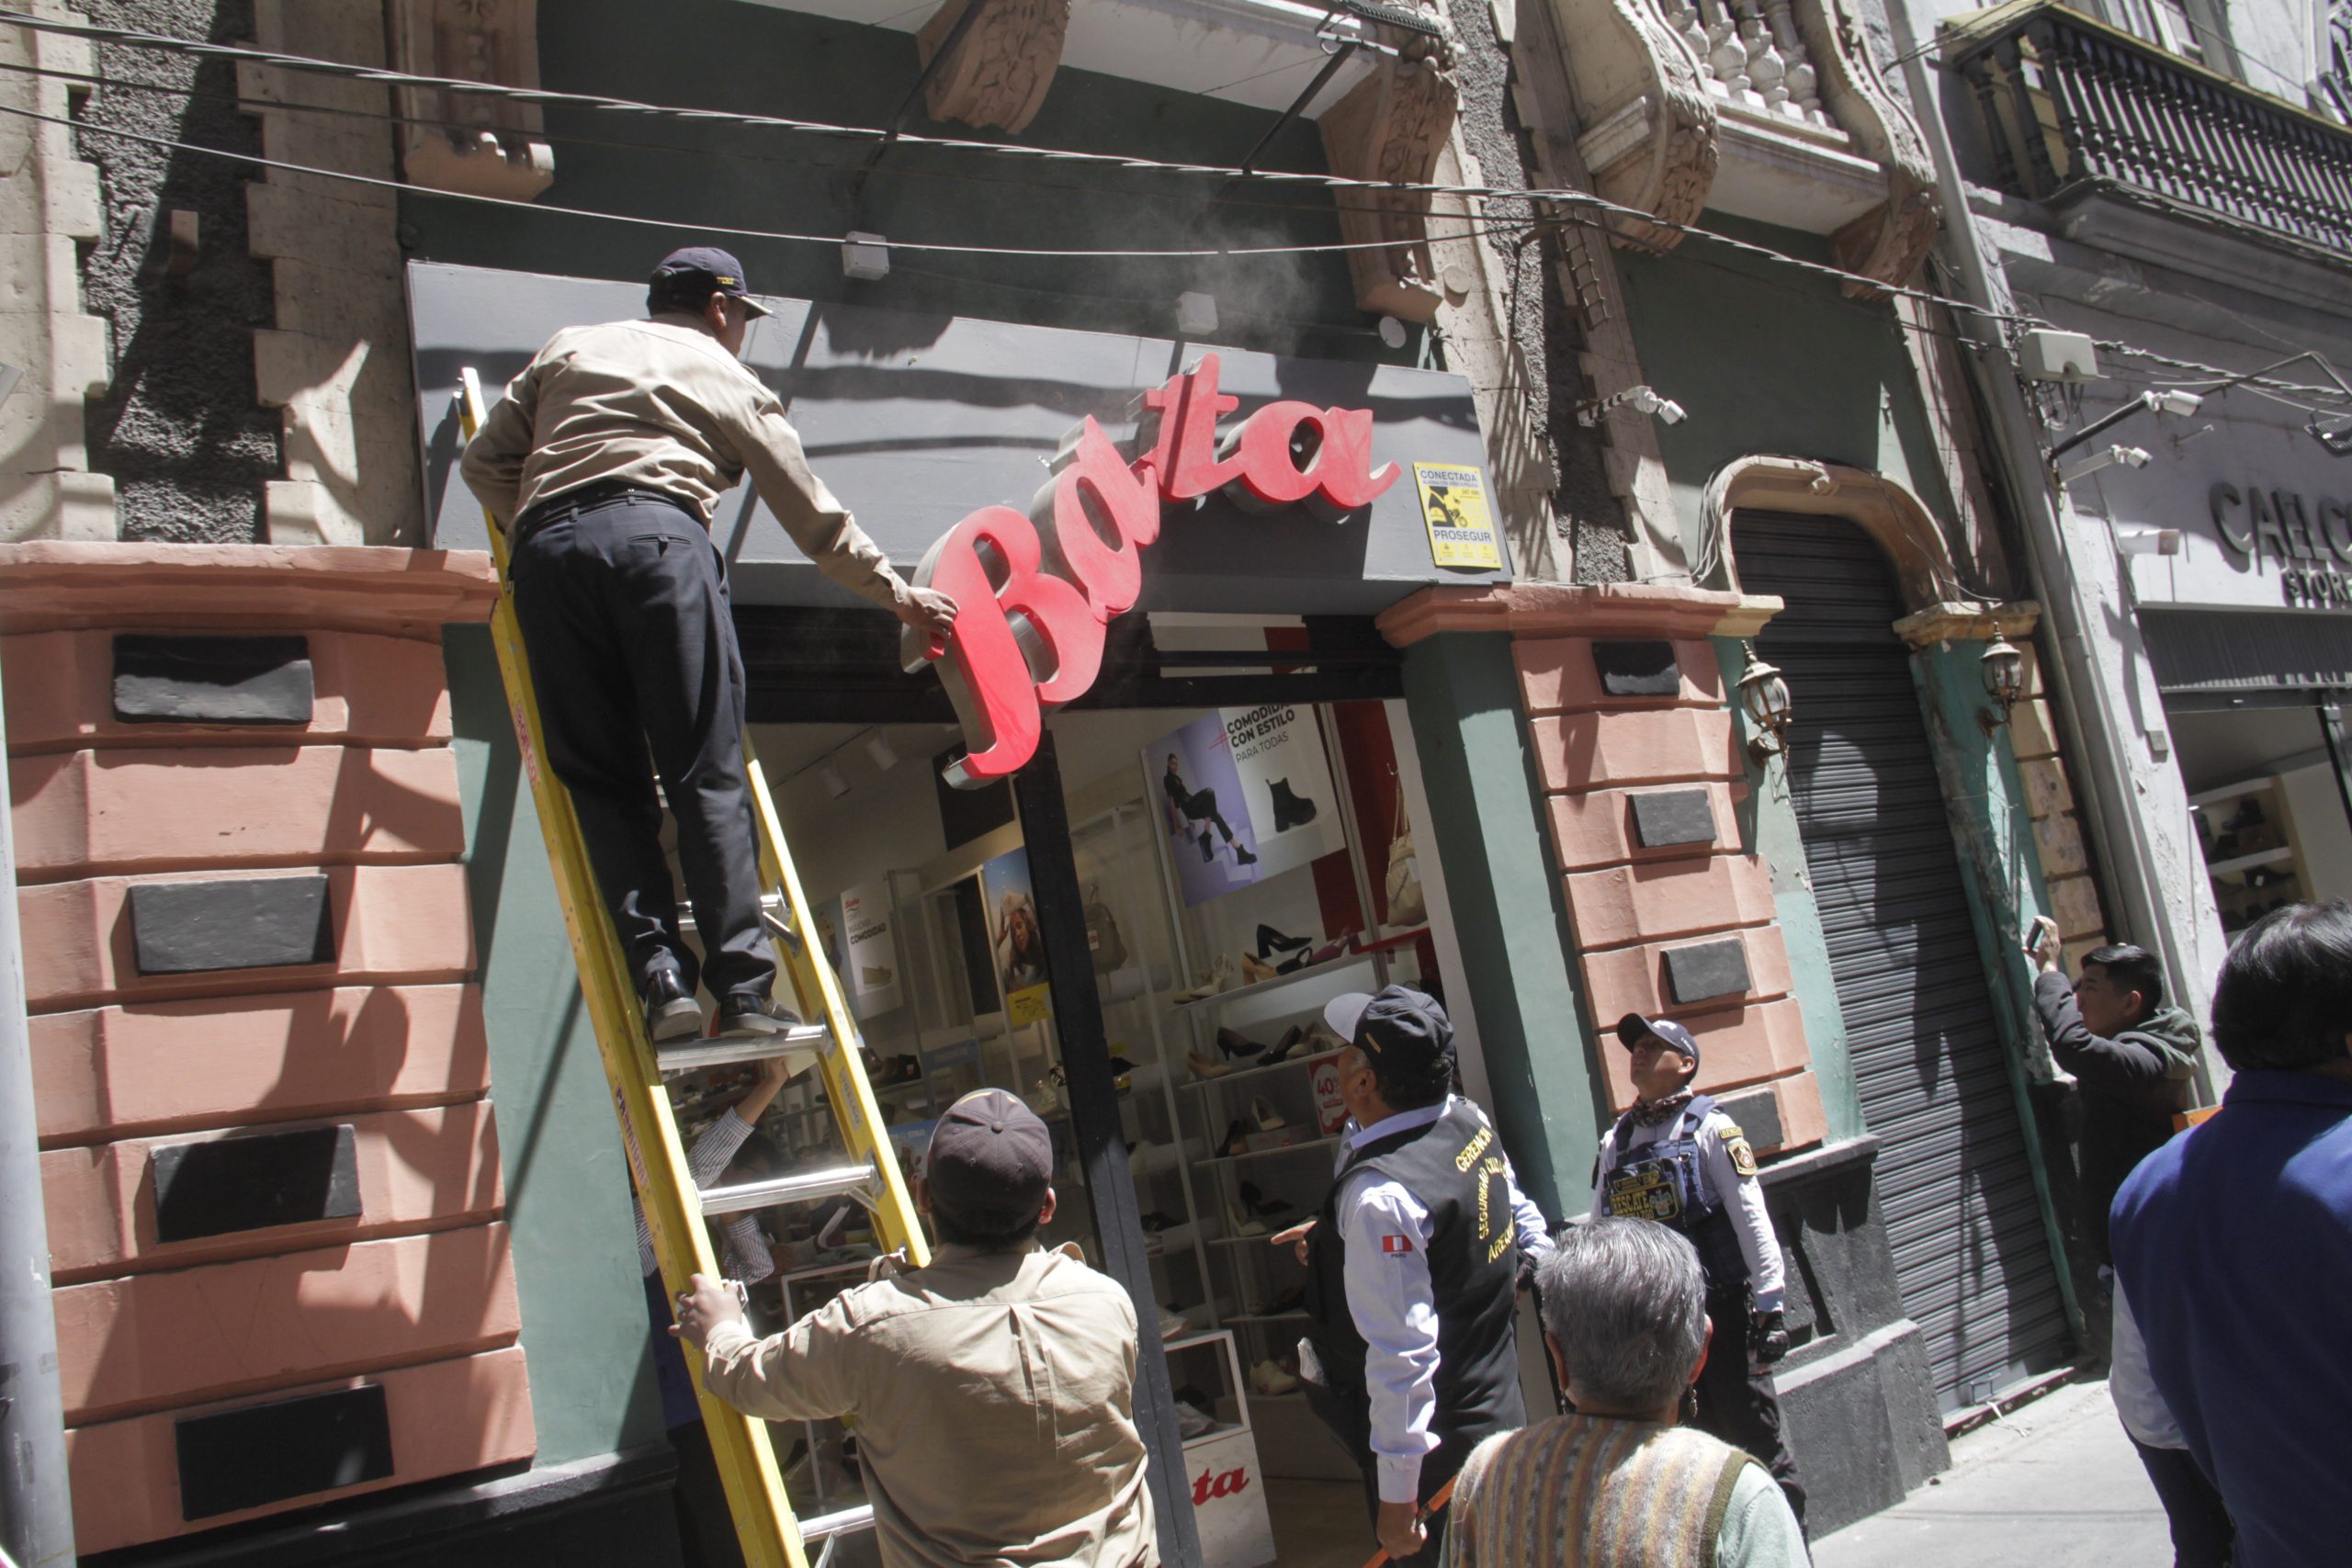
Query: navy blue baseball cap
1632, 1028
1401, 1030
990, 1162
704, 264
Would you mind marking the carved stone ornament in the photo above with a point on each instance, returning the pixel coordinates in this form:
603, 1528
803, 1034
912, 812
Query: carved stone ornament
465, 142
1650, 130
1392, 126
1888, 242
1002, 65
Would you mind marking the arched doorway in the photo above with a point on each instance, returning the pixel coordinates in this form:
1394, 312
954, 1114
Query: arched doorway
1954, 1173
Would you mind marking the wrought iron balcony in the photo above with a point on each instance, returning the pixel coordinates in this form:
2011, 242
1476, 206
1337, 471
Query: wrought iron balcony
2074, 105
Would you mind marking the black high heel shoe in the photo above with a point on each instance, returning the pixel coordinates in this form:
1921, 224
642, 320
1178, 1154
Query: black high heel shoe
1271, 942
1281, 1048
1237, 1138
1234, 1043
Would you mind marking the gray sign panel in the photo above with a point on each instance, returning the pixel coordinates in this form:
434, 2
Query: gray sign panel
917, 421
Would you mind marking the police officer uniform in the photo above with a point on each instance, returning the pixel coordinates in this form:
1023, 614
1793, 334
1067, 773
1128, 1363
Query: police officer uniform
1683, 1162
604, 465
1413, 1268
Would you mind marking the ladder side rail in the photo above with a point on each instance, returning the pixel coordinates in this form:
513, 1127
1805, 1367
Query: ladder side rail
765, 1525
818, 988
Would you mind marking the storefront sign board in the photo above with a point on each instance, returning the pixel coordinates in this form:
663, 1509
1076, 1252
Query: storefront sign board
1229, 1501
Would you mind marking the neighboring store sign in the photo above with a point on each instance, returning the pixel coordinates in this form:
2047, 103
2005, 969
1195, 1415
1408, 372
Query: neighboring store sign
2305, 541
1035, 590
1246, 793
1453, 504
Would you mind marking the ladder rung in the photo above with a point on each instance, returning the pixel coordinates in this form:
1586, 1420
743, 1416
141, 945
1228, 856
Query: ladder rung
770, 902
843, 1523
809, 1040
806, 1187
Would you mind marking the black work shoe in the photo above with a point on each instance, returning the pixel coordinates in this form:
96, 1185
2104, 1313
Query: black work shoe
1208, 845
749, 1013
671, 1010
1242, 854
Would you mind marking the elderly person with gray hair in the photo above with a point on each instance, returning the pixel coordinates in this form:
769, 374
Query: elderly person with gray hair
1617, 1482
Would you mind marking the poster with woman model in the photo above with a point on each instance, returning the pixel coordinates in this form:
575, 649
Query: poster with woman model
1245, 793
1015, 942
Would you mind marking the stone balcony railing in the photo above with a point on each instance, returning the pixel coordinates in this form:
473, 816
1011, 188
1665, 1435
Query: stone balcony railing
1750, 54
2075, 109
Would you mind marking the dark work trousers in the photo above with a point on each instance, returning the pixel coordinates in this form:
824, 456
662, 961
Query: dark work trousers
1738, 1406
1350, 1420
2201, 1530
624, 607
705, 1523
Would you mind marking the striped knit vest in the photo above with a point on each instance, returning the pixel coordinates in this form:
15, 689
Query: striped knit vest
1592, 1492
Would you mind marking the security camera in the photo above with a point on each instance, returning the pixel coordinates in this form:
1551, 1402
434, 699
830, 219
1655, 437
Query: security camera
2081, 468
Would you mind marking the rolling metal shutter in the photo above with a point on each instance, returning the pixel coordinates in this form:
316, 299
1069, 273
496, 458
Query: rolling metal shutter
1954, 1177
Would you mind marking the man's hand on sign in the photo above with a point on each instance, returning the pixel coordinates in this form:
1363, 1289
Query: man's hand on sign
930, 611
1295, 1238
2043, 944
709, 1303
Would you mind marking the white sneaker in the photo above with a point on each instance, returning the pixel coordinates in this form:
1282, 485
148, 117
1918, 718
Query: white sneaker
1174, 1325
1269, 1378
1192, 1421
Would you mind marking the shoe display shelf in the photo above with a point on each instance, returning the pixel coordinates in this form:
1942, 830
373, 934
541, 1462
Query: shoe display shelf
2247, 833
1221, 1464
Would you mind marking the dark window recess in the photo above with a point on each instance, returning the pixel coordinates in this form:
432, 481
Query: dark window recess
291, 1447
189, 928
1637, 669
1664, 817
259, 1179
212, 680
965, 814
1707, 969
1758, 1111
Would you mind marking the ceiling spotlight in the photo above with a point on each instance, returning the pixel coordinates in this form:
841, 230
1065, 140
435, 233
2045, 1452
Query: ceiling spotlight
865, 257
877, 746
1640, 399
836, 785
1195, 314
2106, 457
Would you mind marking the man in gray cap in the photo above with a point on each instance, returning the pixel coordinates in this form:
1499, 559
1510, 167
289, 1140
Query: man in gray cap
604, 464
1674, 1157
1413, 1269
994, 1390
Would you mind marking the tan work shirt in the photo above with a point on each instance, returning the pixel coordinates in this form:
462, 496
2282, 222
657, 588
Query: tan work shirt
662, 404
994, 1394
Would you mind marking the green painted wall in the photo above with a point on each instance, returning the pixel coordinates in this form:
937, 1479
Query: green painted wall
1769, 361
1461, 691
756, 58
568, 1211
1768, 826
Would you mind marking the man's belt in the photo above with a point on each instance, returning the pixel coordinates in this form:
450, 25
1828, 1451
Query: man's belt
588, 498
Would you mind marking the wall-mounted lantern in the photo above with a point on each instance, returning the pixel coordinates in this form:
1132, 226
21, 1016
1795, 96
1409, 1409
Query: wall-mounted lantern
2003, 668
1764, 697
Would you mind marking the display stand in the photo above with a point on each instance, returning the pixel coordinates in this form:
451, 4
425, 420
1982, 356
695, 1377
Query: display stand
2247, 834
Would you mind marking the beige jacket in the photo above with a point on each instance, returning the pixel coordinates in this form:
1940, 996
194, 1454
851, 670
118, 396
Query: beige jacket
661, 403
994, 1395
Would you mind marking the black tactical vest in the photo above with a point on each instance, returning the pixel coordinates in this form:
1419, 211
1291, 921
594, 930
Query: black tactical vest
1456, 1167
1661, 1181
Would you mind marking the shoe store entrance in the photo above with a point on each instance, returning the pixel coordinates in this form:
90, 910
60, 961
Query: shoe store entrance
1136, 933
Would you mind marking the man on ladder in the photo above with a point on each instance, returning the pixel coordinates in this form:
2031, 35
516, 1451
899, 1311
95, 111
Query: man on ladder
603, 465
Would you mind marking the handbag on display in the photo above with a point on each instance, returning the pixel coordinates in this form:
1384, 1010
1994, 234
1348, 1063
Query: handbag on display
1407, 905
1103, 937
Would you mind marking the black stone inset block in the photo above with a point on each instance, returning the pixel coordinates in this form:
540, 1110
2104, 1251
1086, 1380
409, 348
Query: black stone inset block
187, 928
258, 1180
1707, 969
211, 680
1758, 1111
1637, 669
265, 1454
1664, 817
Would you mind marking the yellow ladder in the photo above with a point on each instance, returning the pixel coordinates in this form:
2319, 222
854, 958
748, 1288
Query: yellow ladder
674, 1207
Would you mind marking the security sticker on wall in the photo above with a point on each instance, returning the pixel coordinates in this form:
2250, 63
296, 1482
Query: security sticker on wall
1454, 504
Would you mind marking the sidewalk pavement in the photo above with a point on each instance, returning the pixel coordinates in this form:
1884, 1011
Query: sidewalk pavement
2056, 1485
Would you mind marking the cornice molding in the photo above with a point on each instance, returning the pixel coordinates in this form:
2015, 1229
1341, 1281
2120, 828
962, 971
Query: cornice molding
1563, 609
54, 585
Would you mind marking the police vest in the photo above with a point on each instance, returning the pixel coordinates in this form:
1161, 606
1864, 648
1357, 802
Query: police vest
1662, 1181
1456, 1167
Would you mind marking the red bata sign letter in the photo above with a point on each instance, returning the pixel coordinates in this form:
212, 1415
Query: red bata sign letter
1035, 590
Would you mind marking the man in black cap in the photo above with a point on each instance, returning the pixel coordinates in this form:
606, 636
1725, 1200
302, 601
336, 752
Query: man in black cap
1674, 1157
1413, 1269
994, 1390
604, 464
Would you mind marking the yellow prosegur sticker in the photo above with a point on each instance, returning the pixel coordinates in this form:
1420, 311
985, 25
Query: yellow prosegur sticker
1454, 504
